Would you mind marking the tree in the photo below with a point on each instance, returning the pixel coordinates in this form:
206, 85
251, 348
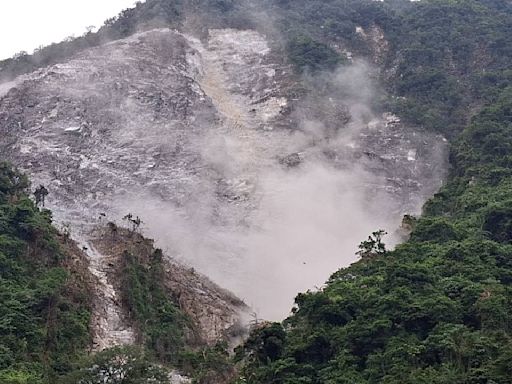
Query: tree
373, 246
135, 222
40, 194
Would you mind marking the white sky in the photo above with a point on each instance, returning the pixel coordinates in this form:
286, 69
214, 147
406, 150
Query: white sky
27, 24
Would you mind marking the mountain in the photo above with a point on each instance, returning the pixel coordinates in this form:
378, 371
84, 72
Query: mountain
191, 140
258, 142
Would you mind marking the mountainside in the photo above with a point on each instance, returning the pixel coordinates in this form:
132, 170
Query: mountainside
46, 300
258, 142
209, 137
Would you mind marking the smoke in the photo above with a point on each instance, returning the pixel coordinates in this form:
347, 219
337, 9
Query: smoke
266, 228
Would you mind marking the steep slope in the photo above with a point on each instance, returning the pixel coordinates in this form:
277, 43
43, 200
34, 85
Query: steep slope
437, 309
211, 136
265, 179
214, 314
110, 325
45, 288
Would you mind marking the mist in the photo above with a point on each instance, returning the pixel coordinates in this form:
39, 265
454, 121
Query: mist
290, 226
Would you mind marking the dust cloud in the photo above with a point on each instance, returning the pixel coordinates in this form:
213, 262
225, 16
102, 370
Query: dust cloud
292, 225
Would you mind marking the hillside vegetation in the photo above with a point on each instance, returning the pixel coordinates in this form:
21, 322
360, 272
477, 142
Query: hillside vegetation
45, 304
437, 309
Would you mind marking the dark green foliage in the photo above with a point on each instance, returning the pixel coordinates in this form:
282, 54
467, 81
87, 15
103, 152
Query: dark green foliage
13, 185
308, 54
164, 330
157, 318
44, 319
265, 344
373, 246
498, 223
443, 57
208, 365
444, 48
128, 365
44, 316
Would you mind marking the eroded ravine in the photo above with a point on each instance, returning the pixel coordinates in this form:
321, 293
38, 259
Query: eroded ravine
109, 321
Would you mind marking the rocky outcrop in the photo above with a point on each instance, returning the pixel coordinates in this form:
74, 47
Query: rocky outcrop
376, 41
216, 314
110, 324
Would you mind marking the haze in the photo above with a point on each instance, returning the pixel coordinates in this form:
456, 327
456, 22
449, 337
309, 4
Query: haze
28, 24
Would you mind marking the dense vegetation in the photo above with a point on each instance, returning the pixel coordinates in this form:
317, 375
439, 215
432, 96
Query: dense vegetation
308, 54
164, 329
44, 310
450, 55
438, 56
153, 312
437, 309
120, 365
45, 307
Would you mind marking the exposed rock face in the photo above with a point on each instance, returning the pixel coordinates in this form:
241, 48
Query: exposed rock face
104, 120
110, 324
376, 40
260, 190
218, 314
215, 312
